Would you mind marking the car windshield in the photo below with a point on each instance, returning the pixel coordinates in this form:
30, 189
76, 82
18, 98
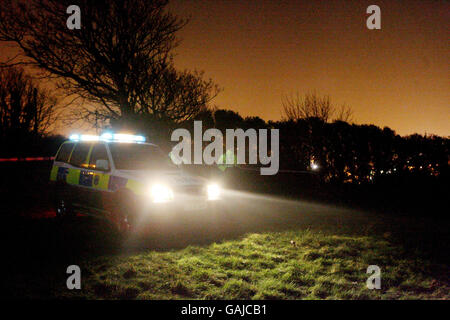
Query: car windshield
133, 156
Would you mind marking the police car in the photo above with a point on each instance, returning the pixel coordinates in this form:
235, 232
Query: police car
125, 179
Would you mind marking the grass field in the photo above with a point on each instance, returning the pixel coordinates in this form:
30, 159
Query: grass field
327, 259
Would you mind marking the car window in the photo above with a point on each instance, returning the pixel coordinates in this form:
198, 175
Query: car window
64, 152
133, 156
98, 153
79, 154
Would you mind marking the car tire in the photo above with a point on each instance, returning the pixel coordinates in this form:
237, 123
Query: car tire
124, 218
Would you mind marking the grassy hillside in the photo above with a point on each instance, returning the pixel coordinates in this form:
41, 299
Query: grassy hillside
323, 261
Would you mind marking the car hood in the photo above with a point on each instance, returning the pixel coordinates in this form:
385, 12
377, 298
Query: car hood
169, 177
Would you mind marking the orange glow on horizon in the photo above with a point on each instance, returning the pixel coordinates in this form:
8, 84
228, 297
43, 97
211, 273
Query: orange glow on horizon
260, 51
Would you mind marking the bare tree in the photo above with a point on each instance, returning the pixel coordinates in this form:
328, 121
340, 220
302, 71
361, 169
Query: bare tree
178, 96
24, 108
344, 113
120, 62
311, 105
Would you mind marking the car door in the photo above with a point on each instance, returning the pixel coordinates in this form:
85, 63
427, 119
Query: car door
100, 176
79, 177
60, 171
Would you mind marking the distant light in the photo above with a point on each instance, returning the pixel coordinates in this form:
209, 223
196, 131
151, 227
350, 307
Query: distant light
314, 166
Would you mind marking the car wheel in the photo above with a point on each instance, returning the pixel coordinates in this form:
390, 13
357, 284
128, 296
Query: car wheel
123, 224
124, 219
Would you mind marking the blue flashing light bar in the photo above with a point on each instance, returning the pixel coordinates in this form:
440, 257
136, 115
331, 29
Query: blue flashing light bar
117, 137
75, 137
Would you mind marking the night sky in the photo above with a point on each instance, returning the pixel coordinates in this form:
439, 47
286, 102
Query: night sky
259, 51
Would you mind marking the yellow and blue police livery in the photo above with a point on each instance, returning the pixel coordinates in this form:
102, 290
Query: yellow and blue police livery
123, 178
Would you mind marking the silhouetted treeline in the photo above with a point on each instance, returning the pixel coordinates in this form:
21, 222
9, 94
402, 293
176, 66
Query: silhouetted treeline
343, 152
354, 153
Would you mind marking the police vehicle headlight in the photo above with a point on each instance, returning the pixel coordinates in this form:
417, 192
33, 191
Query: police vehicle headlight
213, 191
161, 193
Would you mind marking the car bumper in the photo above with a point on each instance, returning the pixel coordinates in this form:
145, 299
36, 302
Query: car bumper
188, 205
